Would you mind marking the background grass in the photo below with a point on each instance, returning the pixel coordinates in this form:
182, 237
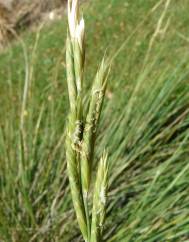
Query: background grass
144, 126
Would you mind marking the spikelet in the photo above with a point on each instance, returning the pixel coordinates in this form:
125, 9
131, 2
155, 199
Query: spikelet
99, 200
74, 125
91, 124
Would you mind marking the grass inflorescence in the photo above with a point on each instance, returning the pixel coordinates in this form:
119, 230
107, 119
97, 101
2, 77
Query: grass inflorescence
81, 131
